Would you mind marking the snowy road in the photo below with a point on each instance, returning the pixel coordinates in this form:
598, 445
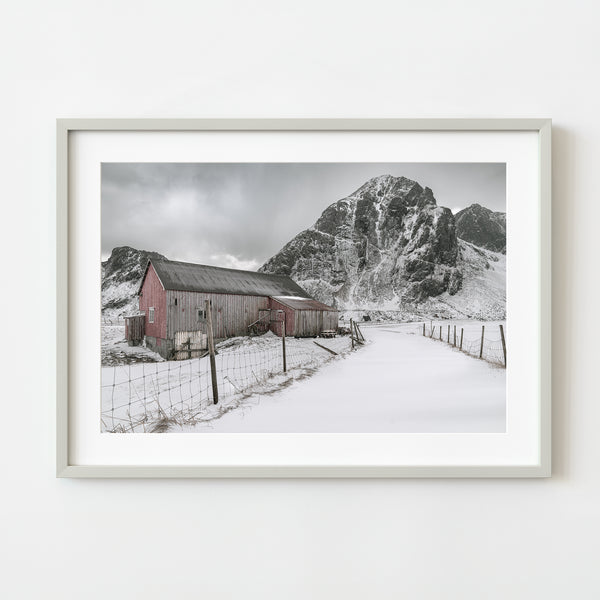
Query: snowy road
399, 382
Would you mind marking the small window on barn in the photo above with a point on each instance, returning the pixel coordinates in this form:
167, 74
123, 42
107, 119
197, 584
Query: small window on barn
175, 301
201, 312
151, 314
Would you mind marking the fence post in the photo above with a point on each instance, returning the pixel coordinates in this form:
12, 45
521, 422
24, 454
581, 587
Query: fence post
481, 347
359, 334
503, 344
423, 329
440, 333
462, 330
283, 342
454, 336
448, 333
211, 352
352, 332
432, 331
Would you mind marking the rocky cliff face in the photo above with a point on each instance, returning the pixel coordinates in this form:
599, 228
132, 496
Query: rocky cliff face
386, 244
482, 227
121, 276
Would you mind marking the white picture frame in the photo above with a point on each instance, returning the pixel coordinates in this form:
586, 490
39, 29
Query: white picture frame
69, 463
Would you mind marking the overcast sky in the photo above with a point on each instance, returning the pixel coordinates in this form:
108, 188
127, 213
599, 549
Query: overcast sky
239, 215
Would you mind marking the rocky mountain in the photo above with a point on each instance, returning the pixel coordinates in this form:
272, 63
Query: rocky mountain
390, 247
121, 275
482, 227
387, 249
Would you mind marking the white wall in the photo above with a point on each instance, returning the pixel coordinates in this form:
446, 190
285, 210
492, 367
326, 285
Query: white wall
296, 539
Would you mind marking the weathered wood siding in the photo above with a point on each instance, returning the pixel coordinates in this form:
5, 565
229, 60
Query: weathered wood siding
304, 323
313, 322
189, 344
308, 322
154, 295
231, 314
330, 320
290, 318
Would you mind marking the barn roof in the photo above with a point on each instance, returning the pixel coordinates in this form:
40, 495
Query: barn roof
298, 303
191, 277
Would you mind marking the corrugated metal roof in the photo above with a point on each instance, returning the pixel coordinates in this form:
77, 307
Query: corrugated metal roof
191, 277
298, 303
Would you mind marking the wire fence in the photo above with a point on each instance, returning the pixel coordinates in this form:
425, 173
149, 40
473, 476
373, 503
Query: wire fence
156, 397
488, 343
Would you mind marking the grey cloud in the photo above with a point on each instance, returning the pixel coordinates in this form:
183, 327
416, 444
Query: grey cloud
228, 214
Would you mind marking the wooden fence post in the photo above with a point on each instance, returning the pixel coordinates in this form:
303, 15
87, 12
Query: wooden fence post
283, 343
448, 333
462, 330
358, 333
423, 329
211, 352
481, 347
454, 336
352, 333
503, 344
440, 333
432, 331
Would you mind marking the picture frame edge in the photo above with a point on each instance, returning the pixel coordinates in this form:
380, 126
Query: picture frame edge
64, 469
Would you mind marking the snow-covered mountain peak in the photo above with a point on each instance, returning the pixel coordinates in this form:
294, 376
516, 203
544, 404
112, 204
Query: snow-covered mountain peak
378, 188
387, 242
121, 275
387, 246
482, 227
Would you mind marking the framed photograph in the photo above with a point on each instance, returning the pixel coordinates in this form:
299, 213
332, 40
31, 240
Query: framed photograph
303, 298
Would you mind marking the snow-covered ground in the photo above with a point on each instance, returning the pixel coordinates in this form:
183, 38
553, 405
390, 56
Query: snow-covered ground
165, 396
471, 331
399, 382
116, 351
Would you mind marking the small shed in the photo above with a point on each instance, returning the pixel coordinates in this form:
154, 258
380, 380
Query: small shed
304, 317
134, 329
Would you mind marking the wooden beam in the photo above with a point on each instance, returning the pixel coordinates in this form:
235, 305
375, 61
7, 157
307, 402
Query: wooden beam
325, 348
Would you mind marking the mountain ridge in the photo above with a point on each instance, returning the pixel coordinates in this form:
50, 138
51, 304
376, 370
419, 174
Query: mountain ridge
483, 227
121, 276
387, 246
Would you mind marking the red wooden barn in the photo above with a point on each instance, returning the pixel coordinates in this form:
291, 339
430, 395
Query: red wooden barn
172, 297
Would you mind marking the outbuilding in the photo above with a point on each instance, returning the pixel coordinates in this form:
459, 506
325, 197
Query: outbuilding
173, 295
304, 317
